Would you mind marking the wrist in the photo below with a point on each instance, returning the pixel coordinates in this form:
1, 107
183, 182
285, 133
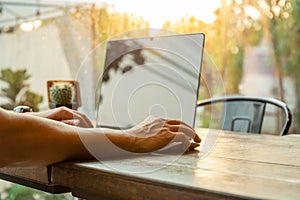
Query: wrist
123, 140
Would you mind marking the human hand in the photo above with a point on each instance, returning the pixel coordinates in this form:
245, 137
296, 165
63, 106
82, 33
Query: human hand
67, 116
155, 133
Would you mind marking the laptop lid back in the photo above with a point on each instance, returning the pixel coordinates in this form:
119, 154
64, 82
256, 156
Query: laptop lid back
156, 76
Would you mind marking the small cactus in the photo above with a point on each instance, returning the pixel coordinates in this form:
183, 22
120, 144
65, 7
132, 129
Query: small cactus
61, 94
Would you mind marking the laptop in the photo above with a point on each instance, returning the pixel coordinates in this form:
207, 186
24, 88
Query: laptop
150, 76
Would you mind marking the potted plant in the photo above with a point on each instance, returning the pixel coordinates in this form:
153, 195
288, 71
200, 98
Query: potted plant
63, 93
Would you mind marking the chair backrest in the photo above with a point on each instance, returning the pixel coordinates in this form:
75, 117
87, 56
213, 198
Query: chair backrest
247, 113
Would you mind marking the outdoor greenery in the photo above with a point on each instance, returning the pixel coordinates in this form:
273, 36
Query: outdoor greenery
227, 39
292, 55
235, 29
19, 192
238, 25
18, 90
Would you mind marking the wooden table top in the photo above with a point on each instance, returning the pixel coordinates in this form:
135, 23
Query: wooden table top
227, 165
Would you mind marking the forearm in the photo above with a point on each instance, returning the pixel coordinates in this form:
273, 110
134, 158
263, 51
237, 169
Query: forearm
28, 140
31, 140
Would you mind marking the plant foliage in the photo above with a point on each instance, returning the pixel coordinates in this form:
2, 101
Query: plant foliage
18, 90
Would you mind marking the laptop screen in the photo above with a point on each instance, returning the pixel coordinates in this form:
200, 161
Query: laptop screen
156, 76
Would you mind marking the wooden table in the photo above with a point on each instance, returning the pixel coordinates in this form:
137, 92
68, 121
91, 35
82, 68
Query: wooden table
227, 165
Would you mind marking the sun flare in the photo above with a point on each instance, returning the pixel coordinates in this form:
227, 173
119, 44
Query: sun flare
158, 11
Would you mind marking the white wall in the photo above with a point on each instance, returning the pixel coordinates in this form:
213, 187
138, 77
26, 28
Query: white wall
39, 52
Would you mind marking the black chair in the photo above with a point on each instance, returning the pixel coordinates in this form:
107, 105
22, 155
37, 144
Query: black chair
245, 114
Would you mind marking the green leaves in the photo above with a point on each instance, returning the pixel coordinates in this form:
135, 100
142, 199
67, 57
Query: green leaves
15, 80
19, 192
17, 91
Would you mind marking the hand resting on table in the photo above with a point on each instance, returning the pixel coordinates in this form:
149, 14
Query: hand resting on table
59, 134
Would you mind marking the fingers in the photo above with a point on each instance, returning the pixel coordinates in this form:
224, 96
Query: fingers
179, 126
187, 145
179, 144
66, 115
83, 118
73, 122
176, 126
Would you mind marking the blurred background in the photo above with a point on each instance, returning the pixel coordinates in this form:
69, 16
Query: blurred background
252, 46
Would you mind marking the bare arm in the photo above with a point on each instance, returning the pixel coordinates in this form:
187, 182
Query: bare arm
28, 140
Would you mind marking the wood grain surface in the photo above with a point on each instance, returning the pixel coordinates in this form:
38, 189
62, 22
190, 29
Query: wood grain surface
227, 165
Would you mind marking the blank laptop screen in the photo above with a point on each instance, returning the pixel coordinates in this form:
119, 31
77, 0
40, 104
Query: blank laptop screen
156, 76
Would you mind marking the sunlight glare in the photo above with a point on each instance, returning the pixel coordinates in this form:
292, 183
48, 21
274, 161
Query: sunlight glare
158, 11
252, 12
